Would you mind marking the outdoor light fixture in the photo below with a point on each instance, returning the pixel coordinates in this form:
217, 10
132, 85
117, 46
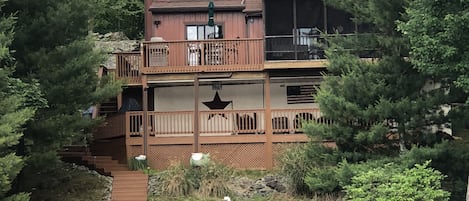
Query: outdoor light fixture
156, 23
211, 11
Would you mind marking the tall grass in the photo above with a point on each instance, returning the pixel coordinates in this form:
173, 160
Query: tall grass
214, 180
176, 181
294, 164
207, 181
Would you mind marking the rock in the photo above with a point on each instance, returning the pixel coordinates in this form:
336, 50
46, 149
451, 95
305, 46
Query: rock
112, 43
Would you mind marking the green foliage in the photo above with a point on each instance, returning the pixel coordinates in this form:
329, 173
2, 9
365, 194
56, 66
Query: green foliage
67, 182
56, 74
441, 155
322, 180
125, 16
390, 183
135, 164
437, 34
294, 164
375, 105
176, 181
14, 113
210, 180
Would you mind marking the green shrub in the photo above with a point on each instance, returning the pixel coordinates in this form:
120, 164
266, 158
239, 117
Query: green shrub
390, 183
450, 158
294, 164
298, 161
135, 164
322, 180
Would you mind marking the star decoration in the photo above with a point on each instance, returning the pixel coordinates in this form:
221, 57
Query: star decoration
216, 104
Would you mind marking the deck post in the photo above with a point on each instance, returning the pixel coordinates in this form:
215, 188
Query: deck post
196, 113
148, 20
269, 159
145, 114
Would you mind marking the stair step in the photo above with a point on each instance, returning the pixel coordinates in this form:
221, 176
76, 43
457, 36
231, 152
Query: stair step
97, 157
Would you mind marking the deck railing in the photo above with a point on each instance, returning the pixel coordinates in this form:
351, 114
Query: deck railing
128, 67
113, 126
203, 56
311, 45
220, 122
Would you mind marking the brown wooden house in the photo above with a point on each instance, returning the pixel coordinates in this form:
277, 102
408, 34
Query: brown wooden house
239, 90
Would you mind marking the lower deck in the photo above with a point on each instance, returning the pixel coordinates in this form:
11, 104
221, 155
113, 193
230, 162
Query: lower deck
244, 139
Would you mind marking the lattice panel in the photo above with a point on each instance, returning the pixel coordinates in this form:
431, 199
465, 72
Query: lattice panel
161, 156
237, 155
279, 148
134, 150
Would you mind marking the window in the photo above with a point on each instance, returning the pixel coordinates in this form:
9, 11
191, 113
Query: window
202, 32
301, 94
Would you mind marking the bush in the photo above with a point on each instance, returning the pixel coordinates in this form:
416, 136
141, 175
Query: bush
136, 164
300, 160
177, 181
390, 183
294, 164
210, 180
214, 180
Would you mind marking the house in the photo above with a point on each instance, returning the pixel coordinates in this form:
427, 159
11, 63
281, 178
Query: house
239, 90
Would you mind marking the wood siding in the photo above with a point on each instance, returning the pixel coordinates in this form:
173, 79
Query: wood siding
173, 26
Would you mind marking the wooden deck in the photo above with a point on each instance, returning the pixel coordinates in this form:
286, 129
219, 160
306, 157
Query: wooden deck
249, 138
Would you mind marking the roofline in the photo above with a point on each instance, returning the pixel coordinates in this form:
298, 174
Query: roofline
194, 9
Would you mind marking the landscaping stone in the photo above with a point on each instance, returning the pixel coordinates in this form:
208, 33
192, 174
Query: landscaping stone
108, 180
242, 187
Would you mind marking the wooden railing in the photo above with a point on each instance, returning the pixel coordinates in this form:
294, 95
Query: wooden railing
203, 56
220, 122
304, 46
128, 67
113, 126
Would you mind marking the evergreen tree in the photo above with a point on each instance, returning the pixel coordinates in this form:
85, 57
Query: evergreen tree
52, 47
14, 112
375, 101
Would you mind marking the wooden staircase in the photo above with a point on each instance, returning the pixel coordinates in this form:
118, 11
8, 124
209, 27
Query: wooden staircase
129, 186
126, 185
108, 107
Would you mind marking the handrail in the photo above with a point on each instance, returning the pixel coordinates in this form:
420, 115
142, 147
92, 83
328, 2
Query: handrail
221, 122
217, 55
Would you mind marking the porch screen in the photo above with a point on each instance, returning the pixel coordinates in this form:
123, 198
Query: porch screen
301, 94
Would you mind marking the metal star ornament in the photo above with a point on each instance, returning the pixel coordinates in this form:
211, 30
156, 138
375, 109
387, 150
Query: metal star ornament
216, 104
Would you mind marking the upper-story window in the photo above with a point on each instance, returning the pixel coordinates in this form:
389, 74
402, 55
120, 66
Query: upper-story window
202, 32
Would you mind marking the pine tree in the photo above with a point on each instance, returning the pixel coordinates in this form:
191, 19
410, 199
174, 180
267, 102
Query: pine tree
13, 113
52, 47
375, 101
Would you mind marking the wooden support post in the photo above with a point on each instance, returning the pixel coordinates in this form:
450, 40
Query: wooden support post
119, 101
148, 20
145, 114
196, 113
269, 156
